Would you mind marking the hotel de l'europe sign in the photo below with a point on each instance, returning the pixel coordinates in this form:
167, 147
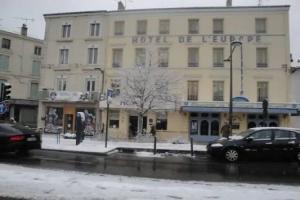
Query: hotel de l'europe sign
160, 39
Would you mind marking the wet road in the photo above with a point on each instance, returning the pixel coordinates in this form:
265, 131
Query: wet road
199, 168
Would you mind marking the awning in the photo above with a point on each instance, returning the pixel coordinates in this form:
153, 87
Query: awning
293, 111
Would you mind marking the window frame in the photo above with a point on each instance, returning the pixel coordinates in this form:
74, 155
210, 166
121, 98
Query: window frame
257, 29
216, 98
6, 43
216, 64
191, 30
116, 53
190, 55
121, 23
64, 56
95, 29
260, 64
140, 25
66, 31
215, 27
161, 29
192, 85
163, 61
260, 97
92, 56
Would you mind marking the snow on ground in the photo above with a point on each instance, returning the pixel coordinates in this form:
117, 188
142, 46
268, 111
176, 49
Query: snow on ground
17, 181
96, 145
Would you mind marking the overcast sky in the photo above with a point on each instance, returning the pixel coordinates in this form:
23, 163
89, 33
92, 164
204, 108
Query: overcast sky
12, 10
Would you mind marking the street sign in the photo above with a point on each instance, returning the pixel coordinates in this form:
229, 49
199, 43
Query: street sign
3, 108
109, 95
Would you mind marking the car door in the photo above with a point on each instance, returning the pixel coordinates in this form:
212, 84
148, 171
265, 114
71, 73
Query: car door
259, 144
284, 143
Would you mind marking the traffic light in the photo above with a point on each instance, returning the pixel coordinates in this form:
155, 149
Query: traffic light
5, 91
265, 105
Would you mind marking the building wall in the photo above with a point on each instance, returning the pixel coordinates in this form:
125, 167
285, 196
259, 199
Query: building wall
238, 22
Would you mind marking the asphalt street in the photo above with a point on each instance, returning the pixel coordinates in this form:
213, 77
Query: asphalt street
200, 167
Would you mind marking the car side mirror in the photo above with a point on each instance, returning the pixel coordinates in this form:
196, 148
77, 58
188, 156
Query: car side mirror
249, 139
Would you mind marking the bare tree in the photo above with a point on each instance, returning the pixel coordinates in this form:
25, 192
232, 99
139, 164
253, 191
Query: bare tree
147, 88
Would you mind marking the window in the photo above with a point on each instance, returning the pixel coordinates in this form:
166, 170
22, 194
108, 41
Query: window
193, 26
94, 29
218, 27
63, 56
114, 119
262, 91
163, 54
36, 66
61, 84
193, 90
262, 135
164, 26
262, 57
260, 25
119, 27
4, 62
218, 57
141, 27
5, 43
66, 31
117, 58
193, 57
92, 55
284, 135
140, 57
34, 90
218, 90
161, 121
37, 50
90, 84
116, 87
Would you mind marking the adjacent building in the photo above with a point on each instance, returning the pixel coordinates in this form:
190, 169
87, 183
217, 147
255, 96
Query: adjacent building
85, 51
20, 61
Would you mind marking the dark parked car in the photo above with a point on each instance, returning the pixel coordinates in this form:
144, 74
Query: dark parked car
265, 142
17, 138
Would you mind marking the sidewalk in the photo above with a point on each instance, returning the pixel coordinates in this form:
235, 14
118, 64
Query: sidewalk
96, 145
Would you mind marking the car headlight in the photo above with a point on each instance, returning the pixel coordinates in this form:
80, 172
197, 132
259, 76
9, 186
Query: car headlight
216, 145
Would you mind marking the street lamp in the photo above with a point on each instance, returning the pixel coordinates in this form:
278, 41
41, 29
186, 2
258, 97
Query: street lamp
233, 45
101, 93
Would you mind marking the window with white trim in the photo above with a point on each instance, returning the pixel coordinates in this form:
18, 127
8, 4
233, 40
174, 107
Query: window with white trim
61, 84
193, 26
261, 57
141, 27
164, 26
90, 84
218, 57
218, 90
193, 57
119, 27
117, 58
261, 25
94, 29
218, 26
163, 57
92, 55
140, 57
66, 31
63, 56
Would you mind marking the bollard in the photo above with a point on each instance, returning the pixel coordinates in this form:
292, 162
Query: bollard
192, 147
154, 151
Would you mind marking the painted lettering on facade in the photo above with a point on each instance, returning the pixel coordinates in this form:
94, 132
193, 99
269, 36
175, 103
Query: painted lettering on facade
196, 39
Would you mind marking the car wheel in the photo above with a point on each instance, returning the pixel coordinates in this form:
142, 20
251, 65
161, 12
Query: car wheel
298, 156
231, 155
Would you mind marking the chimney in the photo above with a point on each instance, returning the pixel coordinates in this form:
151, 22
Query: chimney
121, 6
229, 3
24, 30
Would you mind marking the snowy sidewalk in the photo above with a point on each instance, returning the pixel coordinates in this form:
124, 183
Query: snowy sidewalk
36, 184
94, 145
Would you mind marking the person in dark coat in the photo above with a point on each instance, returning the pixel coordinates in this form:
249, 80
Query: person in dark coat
153, 130
79, 128
225, 130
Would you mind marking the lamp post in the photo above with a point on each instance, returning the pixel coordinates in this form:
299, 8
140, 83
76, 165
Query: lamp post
233, 45
101, 93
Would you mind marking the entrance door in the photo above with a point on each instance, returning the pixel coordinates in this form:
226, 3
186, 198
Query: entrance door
68, 125
133, 126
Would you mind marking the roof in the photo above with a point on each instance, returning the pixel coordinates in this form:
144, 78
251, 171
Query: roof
20, 36
286, 7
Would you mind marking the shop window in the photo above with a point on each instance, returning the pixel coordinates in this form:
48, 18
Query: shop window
204, 115
214, 128
275, 117
251, 125
194, 127
161, 121
204, 127
194, 114
215, 115
251, 116
114, 119
273, 124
